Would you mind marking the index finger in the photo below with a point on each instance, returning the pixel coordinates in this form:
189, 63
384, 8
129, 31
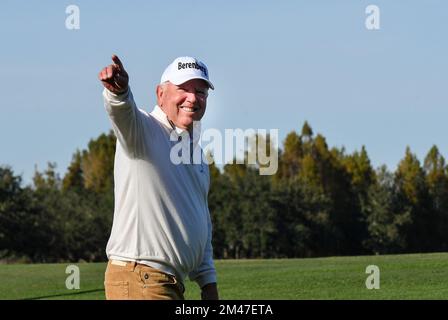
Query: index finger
117, 61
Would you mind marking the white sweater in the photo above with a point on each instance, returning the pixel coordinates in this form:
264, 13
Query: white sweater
161, 215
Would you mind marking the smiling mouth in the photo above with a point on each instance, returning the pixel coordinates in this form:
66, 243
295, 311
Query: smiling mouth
188, 109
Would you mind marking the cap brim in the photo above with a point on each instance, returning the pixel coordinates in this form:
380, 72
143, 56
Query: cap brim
188, 77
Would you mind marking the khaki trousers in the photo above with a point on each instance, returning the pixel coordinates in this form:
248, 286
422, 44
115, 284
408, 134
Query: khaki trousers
134, 281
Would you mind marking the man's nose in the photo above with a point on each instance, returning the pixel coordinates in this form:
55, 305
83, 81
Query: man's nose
191, 97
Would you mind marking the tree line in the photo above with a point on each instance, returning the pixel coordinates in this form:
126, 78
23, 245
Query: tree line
321, 202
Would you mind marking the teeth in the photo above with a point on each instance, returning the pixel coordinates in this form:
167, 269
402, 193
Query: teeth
189, 109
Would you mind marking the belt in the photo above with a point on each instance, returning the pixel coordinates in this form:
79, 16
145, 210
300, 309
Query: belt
119, 263
133, 263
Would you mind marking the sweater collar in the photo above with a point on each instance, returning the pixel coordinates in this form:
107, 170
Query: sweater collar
160, 116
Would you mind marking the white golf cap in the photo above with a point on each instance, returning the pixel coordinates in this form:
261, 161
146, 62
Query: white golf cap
183, 69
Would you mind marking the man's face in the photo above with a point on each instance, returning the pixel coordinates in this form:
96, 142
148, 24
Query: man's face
183, 103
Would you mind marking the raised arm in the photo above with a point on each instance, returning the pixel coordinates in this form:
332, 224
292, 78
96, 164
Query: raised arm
127, 120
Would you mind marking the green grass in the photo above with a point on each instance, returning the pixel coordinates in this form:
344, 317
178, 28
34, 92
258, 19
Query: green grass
416, 276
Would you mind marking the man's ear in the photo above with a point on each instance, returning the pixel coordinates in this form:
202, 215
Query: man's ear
159, 95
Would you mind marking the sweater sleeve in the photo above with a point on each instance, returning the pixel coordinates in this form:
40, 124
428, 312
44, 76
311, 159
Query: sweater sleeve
127, 121
206, 272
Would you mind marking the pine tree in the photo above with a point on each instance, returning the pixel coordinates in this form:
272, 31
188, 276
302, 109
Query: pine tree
385, 225
74, 179
98, 164
289, 159
437, 182
413, 196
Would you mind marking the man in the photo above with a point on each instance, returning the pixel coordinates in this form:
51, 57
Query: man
161, 230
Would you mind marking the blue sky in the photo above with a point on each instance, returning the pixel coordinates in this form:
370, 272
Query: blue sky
274, 64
